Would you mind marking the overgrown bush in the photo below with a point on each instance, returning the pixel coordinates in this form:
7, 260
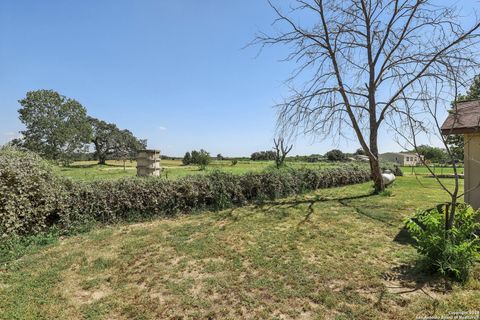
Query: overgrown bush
112, 201
33, 199
451, 252
29, 193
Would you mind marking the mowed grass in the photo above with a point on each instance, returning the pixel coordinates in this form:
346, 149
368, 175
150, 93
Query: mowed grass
171, 169
422, 170
330, 254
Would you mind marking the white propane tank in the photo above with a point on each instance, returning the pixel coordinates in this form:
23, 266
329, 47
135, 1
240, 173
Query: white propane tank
388, 177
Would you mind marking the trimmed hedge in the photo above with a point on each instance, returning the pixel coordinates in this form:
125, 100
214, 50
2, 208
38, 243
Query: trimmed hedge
33, 199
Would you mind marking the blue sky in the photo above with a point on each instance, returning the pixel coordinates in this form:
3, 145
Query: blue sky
173, 72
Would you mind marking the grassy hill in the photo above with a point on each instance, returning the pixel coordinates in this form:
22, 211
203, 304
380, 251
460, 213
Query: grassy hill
331, 254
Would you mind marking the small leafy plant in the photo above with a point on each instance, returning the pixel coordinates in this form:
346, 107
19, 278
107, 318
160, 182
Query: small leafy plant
450, 251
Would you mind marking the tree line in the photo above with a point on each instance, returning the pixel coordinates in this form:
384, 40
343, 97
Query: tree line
58, 128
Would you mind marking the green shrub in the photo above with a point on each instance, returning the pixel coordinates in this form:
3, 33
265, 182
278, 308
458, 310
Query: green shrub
452, 252
33, 199
335, 155
112, 201
187, 159
30, 194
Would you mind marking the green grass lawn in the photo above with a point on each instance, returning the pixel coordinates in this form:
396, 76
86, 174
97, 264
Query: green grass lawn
330, 254
171, 169
421, 170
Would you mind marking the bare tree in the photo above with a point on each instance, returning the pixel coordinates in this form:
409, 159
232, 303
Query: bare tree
358, 58
281, 151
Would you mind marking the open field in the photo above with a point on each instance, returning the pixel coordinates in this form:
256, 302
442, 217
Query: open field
422, 170
171, 169
330, 254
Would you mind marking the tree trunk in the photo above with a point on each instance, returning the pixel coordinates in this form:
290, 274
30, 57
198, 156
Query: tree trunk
377, 175
375, 164
451, 218
101, 158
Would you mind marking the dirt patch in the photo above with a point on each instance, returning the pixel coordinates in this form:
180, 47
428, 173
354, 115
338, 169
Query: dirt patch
89, 296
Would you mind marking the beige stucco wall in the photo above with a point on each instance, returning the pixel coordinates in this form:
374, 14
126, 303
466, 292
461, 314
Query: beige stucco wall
472, 169
401, 159
393, 158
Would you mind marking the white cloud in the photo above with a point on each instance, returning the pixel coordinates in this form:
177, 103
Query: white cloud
162, 128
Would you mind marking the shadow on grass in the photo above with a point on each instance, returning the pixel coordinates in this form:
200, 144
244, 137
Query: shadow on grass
80, 166
405, 279
361, 211
344, 201
404, 237
96, 164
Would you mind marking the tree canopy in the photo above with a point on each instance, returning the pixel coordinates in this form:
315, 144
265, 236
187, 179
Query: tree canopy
111, 142
201, 158
56, 126
432, 154
335, 155
263, 155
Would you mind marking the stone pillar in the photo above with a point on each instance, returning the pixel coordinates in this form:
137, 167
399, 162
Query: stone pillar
472, 169
148, 163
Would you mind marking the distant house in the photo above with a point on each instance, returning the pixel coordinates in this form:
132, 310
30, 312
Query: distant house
403, 159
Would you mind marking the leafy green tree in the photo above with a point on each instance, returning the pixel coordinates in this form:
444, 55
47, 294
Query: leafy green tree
263, 155
195, 157
473, 92
335, 155
127, 146
456, 144
360, 152
201, 158
56, 126
104, 139
187, 159
220, 157
111, 142
432, 154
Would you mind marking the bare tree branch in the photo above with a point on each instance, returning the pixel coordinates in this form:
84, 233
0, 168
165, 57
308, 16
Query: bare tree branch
357, 59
